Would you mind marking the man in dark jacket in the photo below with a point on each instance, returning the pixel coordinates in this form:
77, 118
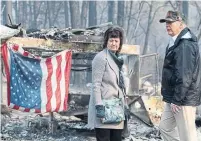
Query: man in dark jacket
180, 81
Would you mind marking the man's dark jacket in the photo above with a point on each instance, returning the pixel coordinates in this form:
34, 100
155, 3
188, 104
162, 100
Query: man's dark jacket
181, 71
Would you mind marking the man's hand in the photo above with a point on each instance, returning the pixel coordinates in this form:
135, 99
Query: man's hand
175, 108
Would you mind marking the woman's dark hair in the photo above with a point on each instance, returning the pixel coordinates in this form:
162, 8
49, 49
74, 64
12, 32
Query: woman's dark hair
113, 32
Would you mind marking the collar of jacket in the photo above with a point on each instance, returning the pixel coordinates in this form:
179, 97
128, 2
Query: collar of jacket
182, 33
112, 63
116, 58
179, 38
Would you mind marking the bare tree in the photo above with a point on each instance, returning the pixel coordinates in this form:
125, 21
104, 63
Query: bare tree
24, 11
136, 26
92, 13
102, 11
176, 5
66, 13
7, 9
120, 13
46, 16
49, 13
36, 11
185, 6
199, 25
30, 13
3, 12
53, 9
84, 12
151, 17
148, 29
16, 12
111, 11
129, 18
75, 14
55, 15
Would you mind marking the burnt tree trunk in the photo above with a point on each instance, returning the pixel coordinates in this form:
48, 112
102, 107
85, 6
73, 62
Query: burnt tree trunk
3, 8
8, 10
129, 19
120, 13
24, 7
92, 13
148, 29
34, 15
66, 13
16, 12
185, 9
49, 13
56, 11
30, 14
46, 14
84, 12
75, 14
111, 11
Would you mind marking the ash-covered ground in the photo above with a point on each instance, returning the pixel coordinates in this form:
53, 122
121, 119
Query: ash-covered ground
23, 126
31, 127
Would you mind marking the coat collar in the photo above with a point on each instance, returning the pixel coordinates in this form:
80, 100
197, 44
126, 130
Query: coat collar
182, 33
112, 64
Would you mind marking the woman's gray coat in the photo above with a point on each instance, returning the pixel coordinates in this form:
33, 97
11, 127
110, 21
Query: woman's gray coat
105, 75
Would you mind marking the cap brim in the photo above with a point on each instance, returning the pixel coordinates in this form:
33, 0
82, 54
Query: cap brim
166, 20
162, 20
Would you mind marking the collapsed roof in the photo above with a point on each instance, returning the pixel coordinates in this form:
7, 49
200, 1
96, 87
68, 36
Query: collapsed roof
89, 35
7, 32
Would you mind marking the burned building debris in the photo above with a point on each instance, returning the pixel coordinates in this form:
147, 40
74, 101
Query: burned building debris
144, 99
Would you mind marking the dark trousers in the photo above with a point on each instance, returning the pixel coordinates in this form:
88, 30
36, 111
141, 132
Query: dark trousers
108, 134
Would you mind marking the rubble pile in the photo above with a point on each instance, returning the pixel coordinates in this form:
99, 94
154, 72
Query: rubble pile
23, 127
63, 34
26, 126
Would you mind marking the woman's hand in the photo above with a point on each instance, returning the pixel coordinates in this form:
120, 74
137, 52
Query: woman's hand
100, 111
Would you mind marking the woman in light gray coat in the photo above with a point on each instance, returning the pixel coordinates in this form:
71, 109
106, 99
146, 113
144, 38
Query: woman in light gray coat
106, 84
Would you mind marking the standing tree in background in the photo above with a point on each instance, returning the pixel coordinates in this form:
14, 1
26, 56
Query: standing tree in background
55, 16
36, 12
16, 5
30, 13
185, 9
199, 25
129, 18
92, 13
49, 13
7, 9
66, 13
84, 12
75, 14
45, 16
111, 11
120, 13
148, 28
151, 15
24, 11
3, 7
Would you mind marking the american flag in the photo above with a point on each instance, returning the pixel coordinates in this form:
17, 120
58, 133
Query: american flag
36, 84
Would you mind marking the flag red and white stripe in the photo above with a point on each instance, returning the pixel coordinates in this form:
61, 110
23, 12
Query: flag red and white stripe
55, 79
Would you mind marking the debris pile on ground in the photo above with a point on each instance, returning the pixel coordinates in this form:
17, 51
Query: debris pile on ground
27, 126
